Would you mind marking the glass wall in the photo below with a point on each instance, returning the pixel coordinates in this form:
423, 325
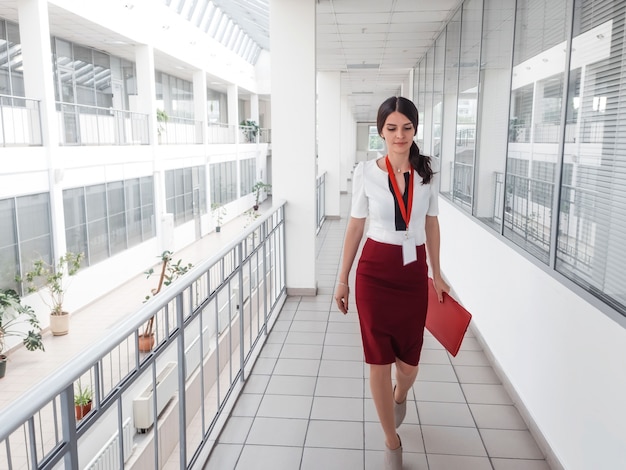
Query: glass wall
223, 182
248, 175
467, 104
591, 248
11, 73
25, 236
538, 108
185, 189
217, 106
105, 219
174, 95
82, 75
492, 132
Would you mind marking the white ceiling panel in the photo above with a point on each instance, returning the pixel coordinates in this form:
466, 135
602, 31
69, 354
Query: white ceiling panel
391, 35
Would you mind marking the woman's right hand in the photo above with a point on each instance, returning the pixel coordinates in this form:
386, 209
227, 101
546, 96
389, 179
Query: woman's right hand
342, 293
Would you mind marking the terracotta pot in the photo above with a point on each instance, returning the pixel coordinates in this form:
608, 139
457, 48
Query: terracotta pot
146, 342
82, 410
60, 324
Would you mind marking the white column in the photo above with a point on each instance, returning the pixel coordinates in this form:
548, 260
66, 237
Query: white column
199, 102
348, 145
146, 86
292, 42
39, 84
37, 59
146, 103
329, 112
232, 98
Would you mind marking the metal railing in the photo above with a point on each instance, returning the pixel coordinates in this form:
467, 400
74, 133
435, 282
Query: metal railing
220, 133
320, 206
20, 121
209, 327
92, 125
178, 130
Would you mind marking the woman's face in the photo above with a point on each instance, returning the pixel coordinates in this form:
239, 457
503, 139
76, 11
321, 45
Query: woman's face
398, 132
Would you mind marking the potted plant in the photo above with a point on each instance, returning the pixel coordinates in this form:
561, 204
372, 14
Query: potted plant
257, 188
219, 212
82, 401
170, 271
13, 317
161, 117
250, 129
50, 282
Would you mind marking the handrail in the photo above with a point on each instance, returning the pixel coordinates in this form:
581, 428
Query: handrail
56, 383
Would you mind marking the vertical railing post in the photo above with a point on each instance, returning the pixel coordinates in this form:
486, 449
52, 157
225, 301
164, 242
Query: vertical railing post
68, 426
242, 355
182, 402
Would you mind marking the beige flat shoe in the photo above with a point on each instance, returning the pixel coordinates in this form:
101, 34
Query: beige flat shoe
393, 458
399, 409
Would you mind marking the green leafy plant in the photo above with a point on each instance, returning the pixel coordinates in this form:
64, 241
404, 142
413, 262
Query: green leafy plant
250, 129
161, 117
170, 271
83, 395
13, 315
219, 212
50, 281
257, 188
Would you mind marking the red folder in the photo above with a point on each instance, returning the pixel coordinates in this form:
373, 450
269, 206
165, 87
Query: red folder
447, 321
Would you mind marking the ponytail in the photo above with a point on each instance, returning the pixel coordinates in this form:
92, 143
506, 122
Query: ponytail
421, 164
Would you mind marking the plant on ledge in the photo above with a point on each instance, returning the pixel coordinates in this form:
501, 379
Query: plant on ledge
257, 188
170, 271
51, 283
250, 129
13, 316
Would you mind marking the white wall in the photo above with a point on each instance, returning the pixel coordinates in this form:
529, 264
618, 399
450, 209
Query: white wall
565, 358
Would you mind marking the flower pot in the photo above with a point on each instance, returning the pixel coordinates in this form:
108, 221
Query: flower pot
146, 342
82, 410
60, 324
3, 365
218, 228
256, 207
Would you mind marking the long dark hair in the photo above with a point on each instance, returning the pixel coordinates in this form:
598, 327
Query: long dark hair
421, 163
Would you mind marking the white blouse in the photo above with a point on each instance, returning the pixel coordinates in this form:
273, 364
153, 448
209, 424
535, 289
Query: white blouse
371, 197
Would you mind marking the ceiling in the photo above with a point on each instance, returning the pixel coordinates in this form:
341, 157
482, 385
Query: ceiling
373, 43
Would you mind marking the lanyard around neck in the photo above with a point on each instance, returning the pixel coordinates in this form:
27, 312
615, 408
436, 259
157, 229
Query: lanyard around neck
406, 212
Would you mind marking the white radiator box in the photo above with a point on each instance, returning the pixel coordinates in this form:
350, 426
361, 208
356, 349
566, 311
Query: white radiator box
143, 405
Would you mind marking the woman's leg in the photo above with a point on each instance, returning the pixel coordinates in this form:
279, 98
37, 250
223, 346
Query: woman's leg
405, 378
380, 384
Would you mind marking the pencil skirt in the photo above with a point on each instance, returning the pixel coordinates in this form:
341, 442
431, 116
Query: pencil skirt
391, 301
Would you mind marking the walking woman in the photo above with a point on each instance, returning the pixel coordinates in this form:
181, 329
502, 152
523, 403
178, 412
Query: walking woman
399, 195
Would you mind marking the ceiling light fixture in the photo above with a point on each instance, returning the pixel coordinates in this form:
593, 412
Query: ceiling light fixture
363, 66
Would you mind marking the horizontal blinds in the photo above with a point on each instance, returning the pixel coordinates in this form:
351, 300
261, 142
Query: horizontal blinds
592, 226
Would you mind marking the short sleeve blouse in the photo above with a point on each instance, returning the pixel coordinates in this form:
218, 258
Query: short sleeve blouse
372, 198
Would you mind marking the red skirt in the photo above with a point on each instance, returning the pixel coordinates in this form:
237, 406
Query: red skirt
392, 300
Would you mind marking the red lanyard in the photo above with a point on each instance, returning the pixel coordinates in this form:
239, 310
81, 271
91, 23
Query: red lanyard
406, 214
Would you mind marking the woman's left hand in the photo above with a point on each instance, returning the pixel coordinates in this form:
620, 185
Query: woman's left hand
440, 287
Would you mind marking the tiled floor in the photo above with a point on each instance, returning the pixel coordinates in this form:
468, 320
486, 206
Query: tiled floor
307, 404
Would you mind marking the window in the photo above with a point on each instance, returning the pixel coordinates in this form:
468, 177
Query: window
248, 175
25, 235
592, 210
376, 142
185, 193
535, 132
105, 219
223, 182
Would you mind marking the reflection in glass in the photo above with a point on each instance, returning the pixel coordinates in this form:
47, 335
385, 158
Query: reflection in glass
592, 212
534, 123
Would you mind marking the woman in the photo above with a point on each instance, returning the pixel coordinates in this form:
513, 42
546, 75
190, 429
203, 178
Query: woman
399, 194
